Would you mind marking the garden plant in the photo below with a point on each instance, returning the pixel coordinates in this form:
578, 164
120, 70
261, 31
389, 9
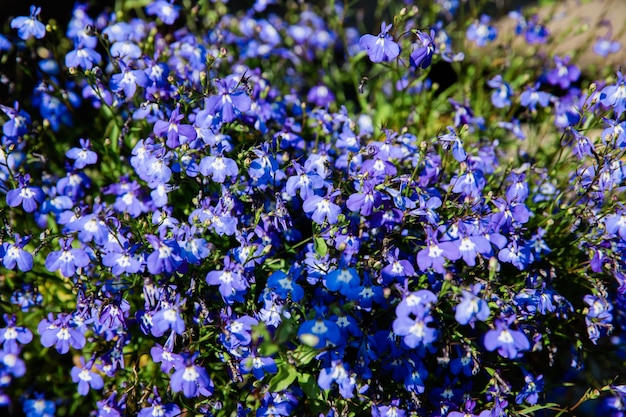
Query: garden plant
284, 211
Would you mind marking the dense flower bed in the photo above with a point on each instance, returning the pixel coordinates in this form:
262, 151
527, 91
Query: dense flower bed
270, 212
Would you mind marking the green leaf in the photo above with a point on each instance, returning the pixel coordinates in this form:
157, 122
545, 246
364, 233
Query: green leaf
320, 246
305, 354
283, 379
309, 385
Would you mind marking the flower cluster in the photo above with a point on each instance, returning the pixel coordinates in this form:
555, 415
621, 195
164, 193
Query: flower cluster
266, 212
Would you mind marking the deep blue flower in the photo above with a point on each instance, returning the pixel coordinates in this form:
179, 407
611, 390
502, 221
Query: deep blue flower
414, 328
82, 156
29, 26
532, 389
83, 57
39, 407
340, 374
423, 50
342, 279
319, 333
382, 47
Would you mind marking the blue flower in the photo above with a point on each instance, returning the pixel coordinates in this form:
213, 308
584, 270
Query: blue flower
319, 333
414, 328
471, 308
83, 57
13, 254
164, 10
501, 97
509, 343
530, 392
86, 378
191, 379
482, 32
322, 209
382, 47
29, 26
231, 99
39, 407
68, 259
218, 167
339, 373
26, 196
343, 279
423, 50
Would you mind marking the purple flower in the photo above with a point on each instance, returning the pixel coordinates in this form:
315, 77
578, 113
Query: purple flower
168, 317
615, 95
435, 253
320, 95
166, 256
482, 32
157, 409
191, 379
13, 364
13, 254
26, 196
423, 50
501, 97
231, 99
82, 156
322, 209
530, 392
164, 354
18, 123
616, 224
414, 327
471, 308
531, 97
382, 47
303, 182
605, 46
164, 10
86, 378
83, 57
29, 26
128, 80
68, 259
175, 132
339, 373
218, 168
563, 74
62, 333
12, 334
509, 343
229, 279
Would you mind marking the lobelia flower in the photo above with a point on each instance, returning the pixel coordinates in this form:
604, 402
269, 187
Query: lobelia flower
164, 10
481, 32
168, 318
166, 256
530, 392
128, 80
563, 74
322, 209
218, 167
165, 355
39, 407
175, 132
29, 26
83, 57
11, 335
616, 224
320, 95
615, 95
531, 97
414, 327
423, 50
319, 333
501, 97
509, 343
435, 253
13, 254
82, 156
85, 377
382, 47
258, 365
190, 378
231, 99
339, 373
26, 196
158, 409
62, 333
471, 308
18, 123
605, 46
229, 279
68, 259
13, 364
